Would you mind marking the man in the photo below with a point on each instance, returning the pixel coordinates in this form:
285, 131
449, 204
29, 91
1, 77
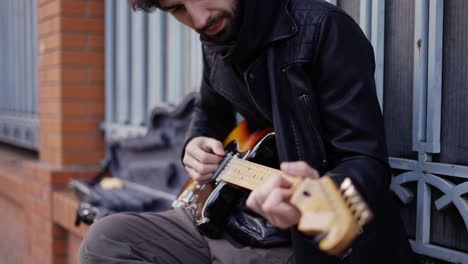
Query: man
306, 69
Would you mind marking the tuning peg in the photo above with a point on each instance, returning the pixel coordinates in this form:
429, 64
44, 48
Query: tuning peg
346, 184
355, 199
358, 209
365, 217
350, 191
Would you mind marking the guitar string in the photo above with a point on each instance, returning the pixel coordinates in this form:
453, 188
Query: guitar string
252, 174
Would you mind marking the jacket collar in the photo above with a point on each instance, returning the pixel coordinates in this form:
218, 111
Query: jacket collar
264, 22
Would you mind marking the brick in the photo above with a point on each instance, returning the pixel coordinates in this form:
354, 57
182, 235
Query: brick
71, 142
73, 8
83, 158
96, 74
64, 41
73, 74
41, 208
55, 125
40, 254
50, 175
96, 108
57, 74
91, 92
41, 3
11, 185
82, 58
73, 41
96, 42
49, 59
48, 27
50, 75
48, 10
49, 92
96, 8
74, 243
88, 92
38, 191
71, 58
96, 143
50, 42
49, 107
64, 109
72, 24
47, 155
59, 247
29, 169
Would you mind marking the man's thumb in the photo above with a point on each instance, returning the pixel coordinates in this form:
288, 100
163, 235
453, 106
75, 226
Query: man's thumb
216, 147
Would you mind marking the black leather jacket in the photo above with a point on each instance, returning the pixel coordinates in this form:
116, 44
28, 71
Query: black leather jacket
305, 67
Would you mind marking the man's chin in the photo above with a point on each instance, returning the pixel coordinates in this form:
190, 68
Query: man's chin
221, 37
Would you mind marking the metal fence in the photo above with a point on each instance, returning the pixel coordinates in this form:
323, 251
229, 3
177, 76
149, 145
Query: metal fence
18, 73
421, 50
150, 59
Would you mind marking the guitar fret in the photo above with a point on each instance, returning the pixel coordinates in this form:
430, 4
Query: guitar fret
247, 174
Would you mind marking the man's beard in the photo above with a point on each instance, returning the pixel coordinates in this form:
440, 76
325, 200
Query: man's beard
231, 27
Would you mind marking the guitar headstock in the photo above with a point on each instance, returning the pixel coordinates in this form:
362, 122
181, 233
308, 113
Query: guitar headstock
336, 214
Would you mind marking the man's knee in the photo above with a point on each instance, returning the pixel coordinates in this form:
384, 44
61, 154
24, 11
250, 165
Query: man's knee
107, 235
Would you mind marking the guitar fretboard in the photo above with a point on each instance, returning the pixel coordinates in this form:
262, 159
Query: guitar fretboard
249, 175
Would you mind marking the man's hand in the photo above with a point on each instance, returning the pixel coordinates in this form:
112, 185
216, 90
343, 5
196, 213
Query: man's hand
271, 199
202, 157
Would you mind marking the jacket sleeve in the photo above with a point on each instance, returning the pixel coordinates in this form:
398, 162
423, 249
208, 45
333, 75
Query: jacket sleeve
351, 117
213, 115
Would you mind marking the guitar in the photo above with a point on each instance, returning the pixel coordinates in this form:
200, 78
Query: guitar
335, 215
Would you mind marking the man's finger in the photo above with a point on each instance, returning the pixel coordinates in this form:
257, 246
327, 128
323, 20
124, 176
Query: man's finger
278, 211
265, 189
257, 197
214, 146
201, 168
204, 157
275, 200
201, 178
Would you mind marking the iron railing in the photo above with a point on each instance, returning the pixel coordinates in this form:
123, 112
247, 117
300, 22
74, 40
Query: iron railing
150, 59
18, 73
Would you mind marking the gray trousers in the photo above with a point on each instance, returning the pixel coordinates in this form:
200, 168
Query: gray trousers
168, 237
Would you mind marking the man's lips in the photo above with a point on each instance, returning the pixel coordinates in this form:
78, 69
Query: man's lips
216, 28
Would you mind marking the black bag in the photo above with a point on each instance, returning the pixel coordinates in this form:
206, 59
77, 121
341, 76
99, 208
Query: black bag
148, 166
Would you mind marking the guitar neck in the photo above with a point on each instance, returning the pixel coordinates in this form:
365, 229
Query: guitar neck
250, 175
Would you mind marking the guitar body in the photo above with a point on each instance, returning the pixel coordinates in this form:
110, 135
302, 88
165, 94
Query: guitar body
334, 214
212, 202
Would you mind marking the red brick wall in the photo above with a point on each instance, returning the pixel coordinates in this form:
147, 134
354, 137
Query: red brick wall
37, 214
12, 231
71, 50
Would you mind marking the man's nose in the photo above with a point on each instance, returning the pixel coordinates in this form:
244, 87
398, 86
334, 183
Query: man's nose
199, 16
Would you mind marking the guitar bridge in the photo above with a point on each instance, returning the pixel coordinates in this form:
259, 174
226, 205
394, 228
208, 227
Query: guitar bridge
186, 199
